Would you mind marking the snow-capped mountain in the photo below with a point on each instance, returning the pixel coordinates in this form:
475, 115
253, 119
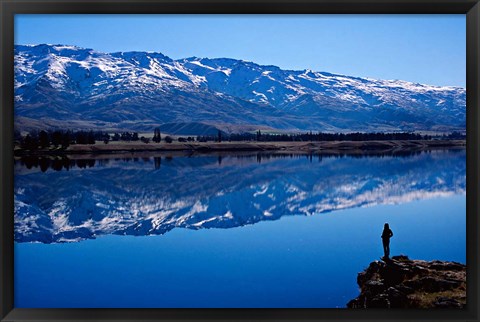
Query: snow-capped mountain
68, 86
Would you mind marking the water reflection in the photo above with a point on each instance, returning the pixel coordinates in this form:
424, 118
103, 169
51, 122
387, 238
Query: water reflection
64, 162
70, 199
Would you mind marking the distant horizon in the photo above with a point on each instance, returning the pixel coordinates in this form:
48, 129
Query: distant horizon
239, 59
423, 49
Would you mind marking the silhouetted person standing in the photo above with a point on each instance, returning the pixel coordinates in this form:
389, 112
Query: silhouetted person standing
387, 233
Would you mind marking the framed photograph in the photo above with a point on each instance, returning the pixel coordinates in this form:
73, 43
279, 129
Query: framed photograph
191, 160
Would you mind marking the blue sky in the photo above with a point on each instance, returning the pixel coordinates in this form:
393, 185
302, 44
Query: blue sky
420, 48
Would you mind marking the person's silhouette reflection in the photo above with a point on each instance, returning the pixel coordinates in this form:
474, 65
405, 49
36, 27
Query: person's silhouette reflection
387, 233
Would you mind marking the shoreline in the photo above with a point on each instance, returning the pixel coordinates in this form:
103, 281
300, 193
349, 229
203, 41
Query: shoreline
319, 147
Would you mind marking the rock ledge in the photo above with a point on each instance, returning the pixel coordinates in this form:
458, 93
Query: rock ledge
400, 282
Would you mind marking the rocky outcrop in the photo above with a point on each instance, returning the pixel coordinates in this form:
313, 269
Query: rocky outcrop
400, 282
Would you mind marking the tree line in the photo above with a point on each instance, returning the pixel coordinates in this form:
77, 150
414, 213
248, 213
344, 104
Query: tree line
35, 140
59, 138
318, 136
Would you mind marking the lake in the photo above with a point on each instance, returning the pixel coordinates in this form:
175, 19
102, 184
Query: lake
248, 230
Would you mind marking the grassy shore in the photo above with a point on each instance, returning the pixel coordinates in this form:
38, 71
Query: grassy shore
291, 147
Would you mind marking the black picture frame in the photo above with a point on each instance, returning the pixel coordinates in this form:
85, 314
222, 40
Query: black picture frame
11, 7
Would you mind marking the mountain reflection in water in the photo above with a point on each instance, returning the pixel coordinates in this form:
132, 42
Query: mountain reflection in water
68, 200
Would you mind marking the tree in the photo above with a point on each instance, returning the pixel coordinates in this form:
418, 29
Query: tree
116, 137
81, 137
126, 136
43, 140
106, 138
219, 136
66, 138
30, 142
57, 138
168, 139
259, 135
157, 137
91, 138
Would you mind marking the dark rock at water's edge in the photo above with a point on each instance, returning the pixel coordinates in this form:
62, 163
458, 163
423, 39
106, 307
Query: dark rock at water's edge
400, 282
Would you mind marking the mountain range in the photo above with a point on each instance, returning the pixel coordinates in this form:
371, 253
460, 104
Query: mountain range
59, 86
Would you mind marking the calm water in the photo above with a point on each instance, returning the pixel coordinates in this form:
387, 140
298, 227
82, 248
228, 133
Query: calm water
227, 231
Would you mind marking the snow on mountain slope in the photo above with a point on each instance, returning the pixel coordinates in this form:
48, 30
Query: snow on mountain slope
68, 86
